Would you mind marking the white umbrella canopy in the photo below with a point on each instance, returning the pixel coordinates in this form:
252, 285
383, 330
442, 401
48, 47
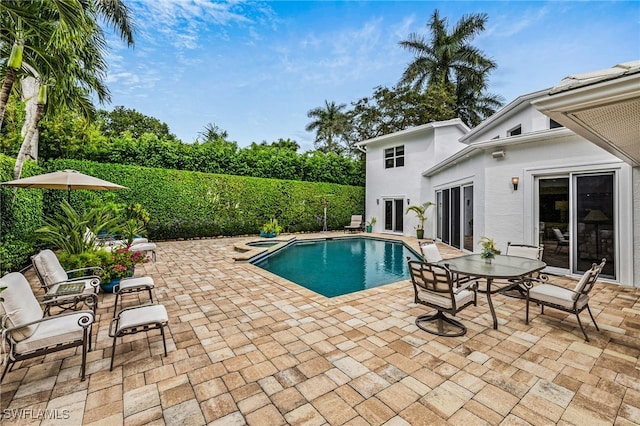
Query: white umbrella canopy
64, 179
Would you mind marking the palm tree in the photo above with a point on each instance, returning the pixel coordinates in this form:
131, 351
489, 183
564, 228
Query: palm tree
73, 62
448, 57
330, 125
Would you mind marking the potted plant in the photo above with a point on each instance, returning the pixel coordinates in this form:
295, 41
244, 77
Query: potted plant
270, 229
420, 212
489, 249
121, 263
370, 224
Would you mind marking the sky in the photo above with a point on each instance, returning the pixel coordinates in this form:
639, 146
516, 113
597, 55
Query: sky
255, 69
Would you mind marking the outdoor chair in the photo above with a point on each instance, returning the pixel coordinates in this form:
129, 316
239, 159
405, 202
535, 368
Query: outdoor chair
356, 224
530, 252
560, 239
28, 333
434, 287
568, 300
431, 254
66, 289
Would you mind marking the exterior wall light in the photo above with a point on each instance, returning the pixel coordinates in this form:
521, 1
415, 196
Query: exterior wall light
378, 201
515, 180
408, 201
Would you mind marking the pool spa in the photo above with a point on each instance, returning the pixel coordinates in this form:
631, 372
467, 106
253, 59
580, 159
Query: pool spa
337, 266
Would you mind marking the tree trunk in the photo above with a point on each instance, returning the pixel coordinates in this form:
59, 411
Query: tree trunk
26, 144
7, 84
30, 88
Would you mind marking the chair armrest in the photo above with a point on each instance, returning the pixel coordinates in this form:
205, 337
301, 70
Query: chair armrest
85, 320
94, 280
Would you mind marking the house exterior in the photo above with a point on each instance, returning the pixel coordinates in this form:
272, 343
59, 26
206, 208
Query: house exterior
521, 177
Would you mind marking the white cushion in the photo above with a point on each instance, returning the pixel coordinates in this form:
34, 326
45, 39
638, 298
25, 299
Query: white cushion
49, 267
430, 253
557, 295
144, 315
143, 247
462, 297
127, 283
528, 252
20, 305
54, 331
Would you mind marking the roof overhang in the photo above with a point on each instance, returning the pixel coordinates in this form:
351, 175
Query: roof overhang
601, 106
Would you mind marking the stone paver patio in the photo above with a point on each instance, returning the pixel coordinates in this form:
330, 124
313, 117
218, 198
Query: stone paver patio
247, 347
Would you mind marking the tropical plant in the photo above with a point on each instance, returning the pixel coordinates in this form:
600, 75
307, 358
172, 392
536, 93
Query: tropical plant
271, 227
420, 211
372, 221
69, 58
330, 125
449, 58
67, 229
489, 249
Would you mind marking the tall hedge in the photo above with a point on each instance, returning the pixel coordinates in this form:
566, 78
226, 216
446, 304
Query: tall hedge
20, 215
186, 204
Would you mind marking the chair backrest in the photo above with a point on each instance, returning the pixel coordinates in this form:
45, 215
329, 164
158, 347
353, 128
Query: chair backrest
20, 306
356, 220
431, 278
559, 235
430, 252
524, 250
589, 278
48, 268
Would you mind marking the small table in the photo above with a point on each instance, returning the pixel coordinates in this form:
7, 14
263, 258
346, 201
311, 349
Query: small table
501, 267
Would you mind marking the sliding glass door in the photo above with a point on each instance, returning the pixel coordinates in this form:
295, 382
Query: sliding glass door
577, 221
394, 215
455, 216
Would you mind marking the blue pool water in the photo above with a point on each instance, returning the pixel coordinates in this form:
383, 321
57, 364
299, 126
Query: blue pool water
334, 267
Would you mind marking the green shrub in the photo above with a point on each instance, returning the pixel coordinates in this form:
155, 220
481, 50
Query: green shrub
185, 204
20, 215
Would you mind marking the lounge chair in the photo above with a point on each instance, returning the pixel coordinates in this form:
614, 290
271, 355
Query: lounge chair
434, 287
568, 300
560, 239
356, 224
66, 289
29, 333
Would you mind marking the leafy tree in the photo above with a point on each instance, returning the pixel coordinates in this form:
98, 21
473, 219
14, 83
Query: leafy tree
448, 57
393, 109
121, 119
330, 124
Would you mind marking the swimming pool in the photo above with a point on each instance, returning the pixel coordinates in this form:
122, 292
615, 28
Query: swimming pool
333, 267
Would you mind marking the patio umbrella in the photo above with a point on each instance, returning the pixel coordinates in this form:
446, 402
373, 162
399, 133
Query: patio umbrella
64, 179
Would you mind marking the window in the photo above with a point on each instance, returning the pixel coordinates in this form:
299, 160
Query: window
394, 157
515, 131
553, 124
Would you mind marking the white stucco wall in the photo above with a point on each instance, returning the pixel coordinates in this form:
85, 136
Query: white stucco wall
423, 148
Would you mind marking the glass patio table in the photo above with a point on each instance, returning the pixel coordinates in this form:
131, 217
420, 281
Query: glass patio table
502, 267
